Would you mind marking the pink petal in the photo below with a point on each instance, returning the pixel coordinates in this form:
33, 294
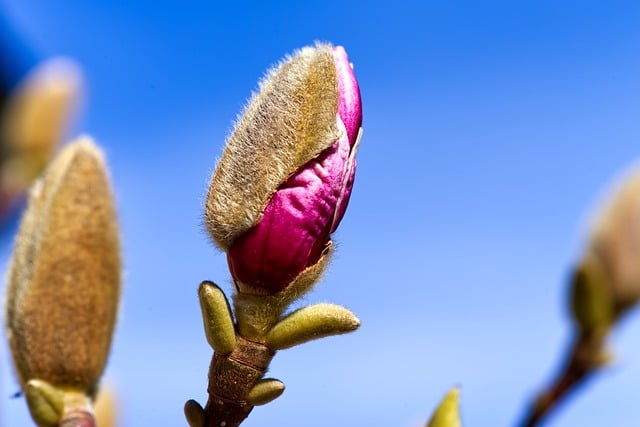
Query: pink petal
349, 101
295, 225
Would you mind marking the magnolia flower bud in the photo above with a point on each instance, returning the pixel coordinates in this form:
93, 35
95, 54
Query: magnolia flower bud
32, 121
285, 176
613, 251
64, 277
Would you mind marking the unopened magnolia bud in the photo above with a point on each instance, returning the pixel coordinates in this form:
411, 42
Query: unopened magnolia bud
34, 119
64, 277
615, 243
285, 176
310, 323
447, 414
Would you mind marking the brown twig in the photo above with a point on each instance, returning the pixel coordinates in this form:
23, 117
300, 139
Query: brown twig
231, 377
584, 359
78, 418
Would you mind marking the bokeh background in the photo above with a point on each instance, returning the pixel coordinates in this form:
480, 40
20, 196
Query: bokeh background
491, 129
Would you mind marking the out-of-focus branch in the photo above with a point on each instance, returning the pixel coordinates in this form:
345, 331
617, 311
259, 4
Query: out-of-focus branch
586, 356
605, 285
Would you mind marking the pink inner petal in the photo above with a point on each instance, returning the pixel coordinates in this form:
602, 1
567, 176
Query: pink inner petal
347, 183
295, 225
349, 101
345, 194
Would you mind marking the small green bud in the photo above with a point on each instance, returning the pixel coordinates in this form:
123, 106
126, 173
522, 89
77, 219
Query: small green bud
591, 304
309, 323
46, 402
216, 315
265, 391
194, 413
447, 414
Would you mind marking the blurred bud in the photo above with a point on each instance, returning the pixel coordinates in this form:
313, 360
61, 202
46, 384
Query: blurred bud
447, 414
285, 176
46, 403
612, 257
591, 304
32, 123
106, 406
64, 277
58, 406
194, 413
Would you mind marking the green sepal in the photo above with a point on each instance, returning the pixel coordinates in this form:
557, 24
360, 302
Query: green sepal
447, 414
591, 303
194, 413
257, 314
309, 323
46, 402
265, 391
216, 315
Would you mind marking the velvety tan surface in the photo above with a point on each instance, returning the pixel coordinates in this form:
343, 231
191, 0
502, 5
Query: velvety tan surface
64, 278
287, 123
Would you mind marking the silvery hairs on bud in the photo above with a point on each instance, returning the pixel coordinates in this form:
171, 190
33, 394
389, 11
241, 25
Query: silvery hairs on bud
64, 277
289, 121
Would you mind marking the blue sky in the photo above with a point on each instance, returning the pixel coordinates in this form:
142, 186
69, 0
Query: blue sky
490, 130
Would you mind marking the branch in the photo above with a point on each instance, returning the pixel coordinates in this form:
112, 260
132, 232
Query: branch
585, 358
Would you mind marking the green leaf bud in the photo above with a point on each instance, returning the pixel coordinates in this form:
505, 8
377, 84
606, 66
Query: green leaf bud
447, 414
309, 323
194, 413
265, 391
46, 402
216, 315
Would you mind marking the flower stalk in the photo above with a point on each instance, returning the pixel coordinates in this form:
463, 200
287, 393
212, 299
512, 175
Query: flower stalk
236, 382
585, 358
